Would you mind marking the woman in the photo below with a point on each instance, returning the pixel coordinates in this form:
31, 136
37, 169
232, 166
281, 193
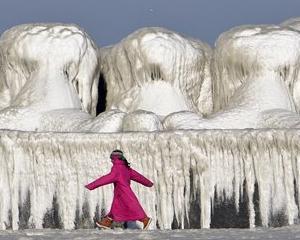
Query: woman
125, 205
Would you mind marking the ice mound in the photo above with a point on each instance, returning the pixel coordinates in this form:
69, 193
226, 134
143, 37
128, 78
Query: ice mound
182, 119
73, 120
46, 67
141, 120
158, 70
255, 75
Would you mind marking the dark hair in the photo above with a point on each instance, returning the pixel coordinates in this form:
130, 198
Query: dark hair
125, 161
120, 155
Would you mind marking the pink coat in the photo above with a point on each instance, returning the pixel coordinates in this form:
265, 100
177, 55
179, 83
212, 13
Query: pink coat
125, 205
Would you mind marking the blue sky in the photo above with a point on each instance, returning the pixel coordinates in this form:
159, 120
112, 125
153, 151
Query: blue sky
108, 21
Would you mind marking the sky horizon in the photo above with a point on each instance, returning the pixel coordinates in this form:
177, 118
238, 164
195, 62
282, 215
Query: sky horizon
107, 22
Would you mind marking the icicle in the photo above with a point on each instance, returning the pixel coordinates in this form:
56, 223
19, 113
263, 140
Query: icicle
58, 165
250, 179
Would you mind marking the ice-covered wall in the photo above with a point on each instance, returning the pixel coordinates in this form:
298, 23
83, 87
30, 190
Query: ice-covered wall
41, 166
46, 67
157, 70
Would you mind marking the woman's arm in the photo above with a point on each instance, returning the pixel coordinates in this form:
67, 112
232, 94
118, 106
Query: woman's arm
137, 177
106, 179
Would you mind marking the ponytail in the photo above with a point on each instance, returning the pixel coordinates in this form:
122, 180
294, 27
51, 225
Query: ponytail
125, 161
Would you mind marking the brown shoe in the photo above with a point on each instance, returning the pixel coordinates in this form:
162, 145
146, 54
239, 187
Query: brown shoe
105, 223
146, 221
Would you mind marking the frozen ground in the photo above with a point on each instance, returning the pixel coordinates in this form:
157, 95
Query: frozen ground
291, 232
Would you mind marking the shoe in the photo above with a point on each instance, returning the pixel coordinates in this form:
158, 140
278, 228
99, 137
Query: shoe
146, 221
105, 223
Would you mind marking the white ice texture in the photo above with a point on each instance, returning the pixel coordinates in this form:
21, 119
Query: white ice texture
245, 93
37, 167
157, 70
289, 232
255, 80
48, 72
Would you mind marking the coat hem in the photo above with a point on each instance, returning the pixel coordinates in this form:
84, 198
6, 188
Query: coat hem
127, 219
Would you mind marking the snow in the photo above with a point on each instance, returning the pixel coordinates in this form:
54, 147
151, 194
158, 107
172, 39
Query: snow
162, 95
292, 232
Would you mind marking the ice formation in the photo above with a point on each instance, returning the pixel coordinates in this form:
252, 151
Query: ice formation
46, 67
157, 70
292, 23
255, 82
141, 121
182, 164
156, 80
